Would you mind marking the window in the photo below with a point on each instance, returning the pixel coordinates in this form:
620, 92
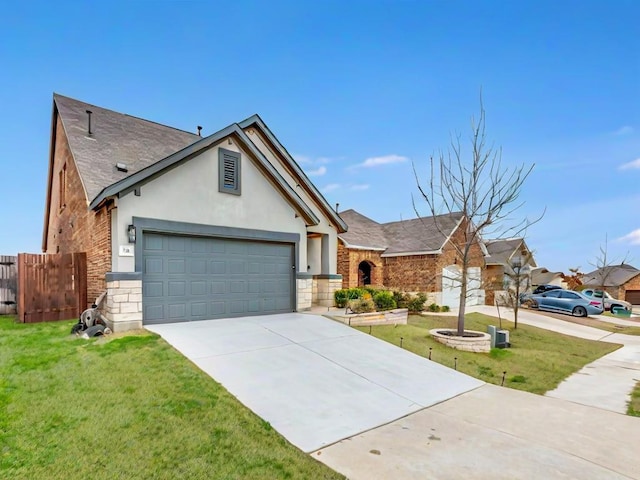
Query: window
62, 180
573, 296
228, 171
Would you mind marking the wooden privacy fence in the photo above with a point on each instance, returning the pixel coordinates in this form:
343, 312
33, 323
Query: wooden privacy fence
8, 284
51, 286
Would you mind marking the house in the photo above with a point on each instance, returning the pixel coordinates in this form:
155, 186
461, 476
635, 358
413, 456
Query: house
416, 255
542, 276
621, 281
181, 227
502, 256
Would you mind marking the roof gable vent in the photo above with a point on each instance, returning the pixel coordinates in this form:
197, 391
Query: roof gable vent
121, 167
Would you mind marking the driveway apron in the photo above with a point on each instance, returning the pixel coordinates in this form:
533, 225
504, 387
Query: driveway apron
314, 380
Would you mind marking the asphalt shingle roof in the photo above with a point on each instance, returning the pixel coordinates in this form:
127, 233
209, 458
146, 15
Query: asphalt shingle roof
424, 234
614, 275
501, 249
115, 138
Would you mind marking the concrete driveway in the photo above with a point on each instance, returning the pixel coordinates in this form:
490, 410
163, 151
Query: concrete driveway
314, 380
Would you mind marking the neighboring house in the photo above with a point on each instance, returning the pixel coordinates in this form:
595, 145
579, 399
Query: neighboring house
502, 255
542, 276
416, 255
621, 281
181, 227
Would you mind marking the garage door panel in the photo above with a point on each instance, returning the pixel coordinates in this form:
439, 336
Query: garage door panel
237, 287
236, 267
236, 306
177, 311
218, 287
198, 266
199, 309
218, 268
153, 313
195, 278
153, 242
198, 287
177, 288
153, 289
176, 265
255, 268
253, 286
236, 248
154, 265
177, 244
200, 245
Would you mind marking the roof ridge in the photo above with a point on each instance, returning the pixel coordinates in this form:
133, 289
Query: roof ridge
125, 114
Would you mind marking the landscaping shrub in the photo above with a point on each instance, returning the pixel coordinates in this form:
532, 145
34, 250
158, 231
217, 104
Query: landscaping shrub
362, 305
343, 296
370, 290
416, 304
445, 308
340, 297
401, 299
384, 300
434, 308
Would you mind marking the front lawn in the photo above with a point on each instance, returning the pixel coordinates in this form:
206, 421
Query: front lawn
129, 407
595, 323
537, 361
634, 404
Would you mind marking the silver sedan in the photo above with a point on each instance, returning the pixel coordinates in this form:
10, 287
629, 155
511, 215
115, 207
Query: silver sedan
565, 301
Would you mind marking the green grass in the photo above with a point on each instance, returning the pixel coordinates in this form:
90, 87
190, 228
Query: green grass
609, 327
537, 361
129, 407
634, 404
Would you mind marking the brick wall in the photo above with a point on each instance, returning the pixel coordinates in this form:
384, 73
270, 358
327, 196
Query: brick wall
633, 284
349, 261
412, 273
73, 227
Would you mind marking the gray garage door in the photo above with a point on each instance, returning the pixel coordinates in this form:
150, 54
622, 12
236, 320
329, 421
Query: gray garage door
196, 278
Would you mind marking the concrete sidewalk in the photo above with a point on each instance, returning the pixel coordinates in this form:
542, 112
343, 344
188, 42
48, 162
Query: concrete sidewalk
494, 433
606, 383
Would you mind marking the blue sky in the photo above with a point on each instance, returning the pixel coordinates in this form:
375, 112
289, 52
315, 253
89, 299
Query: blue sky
357, 91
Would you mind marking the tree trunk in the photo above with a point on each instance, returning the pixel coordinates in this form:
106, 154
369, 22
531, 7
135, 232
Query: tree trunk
463, 301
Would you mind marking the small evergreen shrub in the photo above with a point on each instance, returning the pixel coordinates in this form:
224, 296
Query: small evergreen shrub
384, 300
434, 308
445, 308
362, 305
416, 304
340, 298
401, 299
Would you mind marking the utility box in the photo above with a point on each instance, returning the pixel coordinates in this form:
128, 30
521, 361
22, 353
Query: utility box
502, 339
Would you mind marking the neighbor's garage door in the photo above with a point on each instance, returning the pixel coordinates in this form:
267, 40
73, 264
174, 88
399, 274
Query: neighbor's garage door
633, 297
195, 278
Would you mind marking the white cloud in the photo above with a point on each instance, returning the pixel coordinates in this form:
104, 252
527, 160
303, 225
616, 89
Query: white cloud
318, 172
303, 159
330, 187
384, 160
626, 130
634, 164
359, 187
632, 238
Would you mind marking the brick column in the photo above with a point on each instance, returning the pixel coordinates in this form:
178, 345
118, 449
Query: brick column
123, 304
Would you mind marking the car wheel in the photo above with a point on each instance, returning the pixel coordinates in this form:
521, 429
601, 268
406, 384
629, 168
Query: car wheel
579, 311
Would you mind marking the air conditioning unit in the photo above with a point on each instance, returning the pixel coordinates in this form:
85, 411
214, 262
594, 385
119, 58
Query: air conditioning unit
502, 339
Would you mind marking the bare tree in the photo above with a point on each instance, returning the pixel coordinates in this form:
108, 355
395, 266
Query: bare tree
518, 273
604, 268
482, 188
